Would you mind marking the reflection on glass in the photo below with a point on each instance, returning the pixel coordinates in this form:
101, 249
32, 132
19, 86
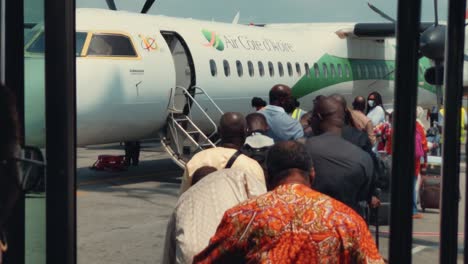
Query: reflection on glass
35, 222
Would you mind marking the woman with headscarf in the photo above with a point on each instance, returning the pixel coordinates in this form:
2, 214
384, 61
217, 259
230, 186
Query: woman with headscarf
375, 109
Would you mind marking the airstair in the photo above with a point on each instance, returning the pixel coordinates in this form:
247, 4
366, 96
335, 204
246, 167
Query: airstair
190, 125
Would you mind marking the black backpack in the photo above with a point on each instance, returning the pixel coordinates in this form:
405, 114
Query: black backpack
258, 154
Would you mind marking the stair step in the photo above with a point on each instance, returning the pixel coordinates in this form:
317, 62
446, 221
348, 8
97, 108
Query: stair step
193, 132
180, 119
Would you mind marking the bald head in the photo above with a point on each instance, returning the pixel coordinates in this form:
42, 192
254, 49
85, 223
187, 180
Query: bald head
232, 129
256, 122
280, 95
359, 103
328, 116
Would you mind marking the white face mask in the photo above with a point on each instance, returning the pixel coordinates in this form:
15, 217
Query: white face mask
371, 103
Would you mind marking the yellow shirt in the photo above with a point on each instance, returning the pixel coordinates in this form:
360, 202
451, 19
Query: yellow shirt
218, 158
462, 124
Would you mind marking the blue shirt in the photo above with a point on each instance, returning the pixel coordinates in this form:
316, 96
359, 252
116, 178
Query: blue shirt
282, 126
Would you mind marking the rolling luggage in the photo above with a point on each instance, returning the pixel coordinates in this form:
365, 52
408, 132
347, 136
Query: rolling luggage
429, 192
110, 163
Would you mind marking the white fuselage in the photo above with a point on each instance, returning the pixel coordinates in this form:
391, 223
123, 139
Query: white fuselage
121, 98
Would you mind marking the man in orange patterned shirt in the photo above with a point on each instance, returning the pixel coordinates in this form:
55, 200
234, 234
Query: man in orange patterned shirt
292, 223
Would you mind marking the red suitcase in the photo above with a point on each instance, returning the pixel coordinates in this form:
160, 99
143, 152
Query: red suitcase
110, 163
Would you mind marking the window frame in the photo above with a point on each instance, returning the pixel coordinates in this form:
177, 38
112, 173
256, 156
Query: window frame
271, 69
280, 69
317, 70
290, 69
213, 63
325, 70
261, 68
307, 70
115, 57
227, 70
239, 68
298, 69
251, 68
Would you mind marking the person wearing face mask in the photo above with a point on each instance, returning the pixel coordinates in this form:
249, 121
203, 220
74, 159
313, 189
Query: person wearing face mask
9, 148
375, 109
282, 126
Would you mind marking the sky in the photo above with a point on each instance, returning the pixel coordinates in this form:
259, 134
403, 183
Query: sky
263, 11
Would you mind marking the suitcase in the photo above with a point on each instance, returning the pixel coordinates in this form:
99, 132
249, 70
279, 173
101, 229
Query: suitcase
110, 163
429, 192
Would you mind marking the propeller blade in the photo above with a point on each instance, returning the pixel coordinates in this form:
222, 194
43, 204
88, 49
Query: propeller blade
436, 13
381, 13
111, 4
147, 6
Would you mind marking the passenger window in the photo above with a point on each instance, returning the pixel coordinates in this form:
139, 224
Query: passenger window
306, 69
227, 69
271, 69
290, 69
332, 69
317, 70
325, 70
261, 70
111, 46
348, 72
240, 70
280, 69
214, 70
358, 71
366, 71
298, 69
340, 71
251, 68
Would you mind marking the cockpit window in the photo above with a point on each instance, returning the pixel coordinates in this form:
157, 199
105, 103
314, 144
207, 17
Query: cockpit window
111, 45
38, 45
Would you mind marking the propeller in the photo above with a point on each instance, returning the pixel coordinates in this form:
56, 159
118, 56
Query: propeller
146, 7
431, 45
111, 4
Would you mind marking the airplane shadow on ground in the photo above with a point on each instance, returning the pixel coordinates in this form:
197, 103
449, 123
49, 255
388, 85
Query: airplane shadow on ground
163, 172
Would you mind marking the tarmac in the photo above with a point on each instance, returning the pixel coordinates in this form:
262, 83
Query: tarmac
122, 215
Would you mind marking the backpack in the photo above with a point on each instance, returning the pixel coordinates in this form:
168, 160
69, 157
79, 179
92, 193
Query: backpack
258, 154
418, 147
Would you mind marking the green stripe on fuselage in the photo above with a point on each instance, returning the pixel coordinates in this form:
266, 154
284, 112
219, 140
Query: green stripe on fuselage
340, 70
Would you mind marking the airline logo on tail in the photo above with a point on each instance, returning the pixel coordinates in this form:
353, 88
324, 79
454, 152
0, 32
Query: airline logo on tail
213, 40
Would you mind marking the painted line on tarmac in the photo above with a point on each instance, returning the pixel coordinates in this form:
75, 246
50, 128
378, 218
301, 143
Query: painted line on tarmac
418, 249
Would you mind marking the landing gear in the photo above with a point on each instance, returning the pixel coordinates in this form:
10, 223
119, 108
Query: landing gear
132, 153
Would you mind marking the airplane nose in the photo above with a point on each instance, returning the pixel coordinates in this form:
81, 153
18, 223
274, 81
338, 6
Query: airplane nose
34, 101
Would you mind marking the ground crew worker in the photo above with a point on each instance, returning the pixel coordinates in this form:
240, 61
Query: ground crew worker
298, 112
463, 123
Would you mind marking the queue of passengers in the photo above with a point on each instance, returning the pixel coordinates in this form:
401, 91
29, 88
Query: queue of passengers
281, 188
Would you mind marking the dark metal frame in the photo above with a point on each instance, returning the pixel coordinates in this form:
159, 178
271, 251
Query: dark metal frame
14, 79
61, 129
404, 117
453, 76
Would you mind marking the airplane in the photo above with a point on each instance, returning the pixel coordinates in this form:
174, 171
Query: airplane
145, 76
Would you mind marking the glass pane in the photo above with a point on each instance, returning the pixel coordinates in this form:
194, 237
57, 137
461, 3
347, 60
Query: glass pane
271, 68
34, 83
227, 69
280, 69
290, 70
111, 45
261, 70
240, 69
251, 68
213, 69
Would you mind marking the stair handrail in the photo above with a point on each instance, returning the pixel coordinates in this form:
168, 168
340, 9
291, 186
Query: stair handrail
187, 93
209, 98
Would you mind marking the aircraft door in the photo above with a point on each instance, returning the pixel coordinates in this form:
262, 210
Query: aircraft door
183, 65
